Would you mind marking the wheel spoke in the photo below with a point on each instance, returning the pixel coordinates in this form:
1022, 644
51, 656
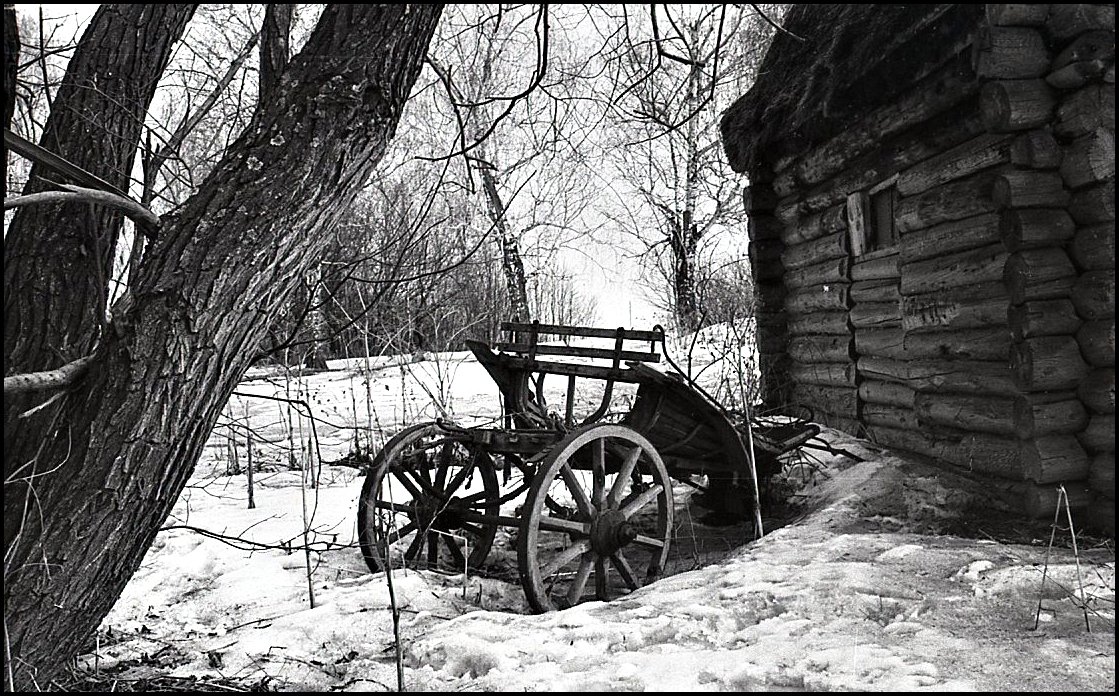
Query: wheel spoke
407, 482
443, 465
413, 549
598, 472
456, 553
649, 541
459, 478
395, 507
623, 477
432, 549
405, 530
622, 565
580, 495
575, 592
564, 557
639, 500
600, 579
476, 530
557, 524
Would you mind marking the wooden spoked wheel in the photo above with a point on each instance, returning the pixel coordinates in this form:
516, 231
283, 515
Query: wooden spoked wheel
422, 503
599, 507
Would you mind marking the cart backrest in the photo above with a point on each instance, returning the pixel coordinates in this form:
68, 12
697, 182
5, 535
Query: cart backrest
525, 340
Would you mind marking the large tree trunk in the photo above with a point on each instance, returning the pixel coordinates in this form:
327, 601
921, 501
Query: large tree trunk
90, 486
57, 258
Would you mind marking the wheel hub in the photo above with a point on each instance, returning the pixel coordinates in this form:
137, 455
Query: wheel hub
433, 513
611, 531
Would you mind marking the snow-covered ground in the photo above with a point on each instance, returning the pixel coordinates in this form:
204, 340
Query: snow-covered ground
861, 591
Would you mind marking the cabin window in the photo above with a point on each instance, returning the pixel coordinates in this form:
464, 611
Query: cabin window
871, 220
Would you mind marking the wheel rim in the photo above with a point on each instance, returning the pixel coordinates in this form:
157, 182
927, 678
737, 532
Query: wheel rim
601, 508
418, 503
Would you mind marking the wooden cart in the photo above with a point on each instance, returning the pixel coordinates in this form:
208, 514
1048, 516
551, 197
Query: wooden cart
590, 498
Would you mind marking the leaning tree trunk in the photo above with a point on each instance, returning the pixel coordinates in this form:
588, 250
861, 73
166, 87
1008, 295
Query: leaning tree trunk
512, 267
106, 469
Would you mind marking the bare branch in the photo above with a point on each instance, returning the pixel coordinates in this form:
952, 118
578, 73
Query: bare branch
146, 220
48, 379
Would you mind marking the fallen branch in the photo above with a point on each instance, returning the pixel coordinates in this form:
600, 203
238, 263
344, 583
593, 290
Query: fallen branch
48, 379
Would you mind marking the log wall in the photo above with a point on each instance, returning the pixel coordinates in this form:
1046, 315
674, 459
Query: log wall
1082, 77
985, 337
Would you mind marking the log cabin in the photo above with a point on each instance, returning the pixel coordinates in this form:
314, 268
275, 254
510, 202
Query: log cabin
932, 234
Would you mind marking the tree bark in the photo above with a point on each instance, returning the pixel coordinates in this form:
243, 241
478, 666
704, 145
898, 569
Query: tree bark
275, 37
206, 294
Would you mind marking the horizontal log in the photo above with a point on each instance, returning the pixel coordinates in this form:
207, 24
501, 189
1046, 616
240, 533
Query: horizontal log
761, 226
1042, 318
978, 306
882, 369
971, 412
1036, 416
1032, 228
979, 153
882, 343
1048, 363
1099, 434
1101, 474
962, 268
837, 401
949, 237
876, 315
817, 298
1094, 204
1097, 391
880, 290
1038, 274
889, 416
876, 267
1015, 105
1085, 111
1029, 188
820, 349
909, 148
887, 393
963, 376
973, 452
1089, 159
785, 183
1032, 15
983, 343
829, 374
1043, 501
1093, 247
1076, 75
789, 210
1054, 458
948, 86
827, 323
1094, 295
1097, 342
815, 225
1003, 53
830, 271
1066, 21
1036, 149
831, 246
955, 200
1089, 46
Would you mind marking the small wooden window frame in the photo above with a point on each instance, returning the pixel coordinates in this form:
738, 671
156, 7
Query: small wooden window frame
860, 217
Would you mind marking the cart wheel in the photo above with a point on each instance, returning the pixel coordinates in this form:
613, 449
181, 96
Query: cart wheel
601, 501
416, 501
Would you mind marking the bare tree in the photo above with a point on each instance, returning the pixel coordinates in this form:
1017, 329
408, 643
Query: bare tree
90, 476
671, 73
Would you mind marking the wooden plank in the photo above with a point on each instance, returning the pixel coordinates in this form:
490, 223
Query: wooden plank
588, 332
578, 351
556, 368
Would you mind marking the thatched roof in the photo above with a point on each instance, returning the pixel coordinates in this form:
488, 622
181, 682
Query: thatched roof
852, 59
